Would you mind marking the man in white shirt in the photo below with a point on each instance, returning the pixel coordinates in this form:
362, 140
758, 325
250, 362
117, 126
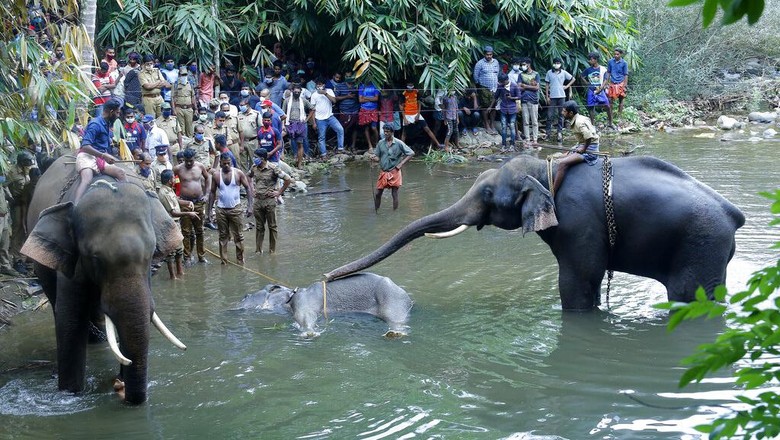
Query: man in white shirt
155, 136
322, 117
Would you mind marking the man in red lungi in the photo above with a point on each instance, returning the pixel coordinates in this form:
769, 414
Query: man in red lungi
392, 154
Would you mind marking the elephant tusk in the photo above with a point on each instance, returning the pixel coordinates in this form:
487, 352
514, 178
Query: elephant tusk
167, 333
112, 342
447, 234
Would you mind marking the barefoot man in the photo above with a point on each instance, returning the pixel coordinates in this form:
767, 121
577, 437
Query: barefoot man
195, 183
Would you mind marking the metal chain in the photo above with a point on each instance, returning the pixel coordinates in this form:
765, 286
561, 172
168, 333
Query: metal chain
610, 212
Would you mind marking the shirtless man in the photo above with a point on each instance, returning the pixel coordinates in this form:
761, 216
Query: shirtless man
195, 182
225, 185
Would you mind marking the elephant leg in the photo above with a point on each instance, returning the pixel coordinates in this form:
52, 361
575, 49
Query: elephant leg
48, 279
579, 285
72, 329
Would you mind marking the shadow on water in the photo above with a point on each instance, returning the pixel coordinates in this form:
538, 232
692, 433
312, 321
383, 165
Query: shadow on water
490, 354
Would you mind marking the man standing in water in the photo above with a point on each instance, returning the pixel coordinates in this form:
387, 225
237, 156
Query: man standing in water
228, 181
194, 180
392, 154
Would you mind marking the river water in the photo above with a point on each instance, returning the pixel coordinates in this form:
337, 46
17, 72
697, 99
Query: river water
490, 354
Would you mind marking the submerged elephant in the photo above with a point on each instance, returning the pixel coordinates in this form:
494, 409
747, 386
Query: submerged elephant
362, 293
93, 259
670, 226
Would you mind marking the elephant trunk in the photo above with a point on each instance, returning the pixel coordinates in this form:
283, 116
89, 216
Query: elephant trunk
130, 308
442, 221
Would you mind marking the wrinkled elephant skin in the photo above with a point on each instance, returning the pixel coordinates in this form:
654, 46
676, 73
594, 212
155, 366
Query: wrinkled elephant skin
670, 226
93, 260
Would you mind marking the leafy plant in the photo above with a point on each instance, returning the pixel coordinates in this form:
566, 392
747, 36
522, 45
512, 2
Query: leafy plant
752, 343
733, 10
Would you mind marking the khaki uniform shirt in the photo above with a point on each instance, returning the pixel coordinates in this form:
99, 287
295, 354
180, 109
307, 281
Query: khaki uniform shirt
171, 128
149, 181
247, 124
3, 203
204, 151
183, 94
229, 131
146, 77
265, 179
583, 129
169, 200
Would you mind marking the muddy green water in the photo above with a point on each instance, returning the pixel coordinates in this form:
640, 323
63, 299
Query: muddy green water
490, 355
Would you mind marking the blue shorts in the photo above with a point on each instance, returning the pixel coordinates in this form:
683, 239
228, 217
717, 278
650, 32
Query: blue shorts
590, 159
595, 99
438, 115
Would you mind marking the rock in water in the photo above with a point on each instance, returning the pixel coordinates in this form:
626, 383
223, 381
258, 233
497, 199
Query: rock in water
769, 132
727, 123
762, 117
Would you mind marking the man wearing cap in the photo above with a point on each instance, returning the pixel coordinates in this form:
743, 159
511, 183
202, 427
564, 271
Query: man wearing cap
184, 103
265, 176
152, 83
392, 154
195, 182
162, 163
248, 124
170, 125
94, 157
268, 106
226, 182
486, 77
155, 136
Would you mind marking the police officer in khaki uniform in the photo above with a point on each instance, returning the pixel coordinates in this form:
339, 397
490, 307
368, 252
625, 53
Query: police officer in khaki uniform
205, 151
184, 102
230, 130
247, 133
152, 83
171, 127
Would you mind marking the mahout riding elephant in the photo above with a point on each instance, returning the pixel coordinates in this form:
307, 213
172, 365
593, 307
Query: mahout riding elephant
93, 260
360, 293
670, 227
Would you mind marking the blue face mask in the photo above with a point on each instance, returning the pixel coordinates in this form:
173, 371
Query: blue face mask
146, 171
169, 66
2, 179
242, 108
198, 137
269, 80
166, 113
193, 69
258, 161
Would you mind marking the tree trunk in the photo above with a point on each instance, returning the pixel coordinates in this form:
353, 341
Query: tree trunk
88, 19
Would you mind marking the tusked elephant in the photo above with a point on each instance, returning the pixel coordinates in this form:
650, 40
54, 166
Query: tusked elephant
93, 260
670, 226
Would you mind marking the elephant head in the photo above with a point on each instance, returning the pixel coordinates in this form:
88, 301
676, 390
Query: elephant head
102, 249
508, 198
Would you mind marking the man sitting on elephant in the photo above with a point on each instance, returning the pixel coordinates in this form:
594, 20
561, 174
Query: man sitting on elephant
587, 142
94, 157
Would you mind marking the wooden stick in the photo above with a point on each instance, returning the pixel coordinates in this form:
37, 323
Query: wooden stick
116, 161
556, 147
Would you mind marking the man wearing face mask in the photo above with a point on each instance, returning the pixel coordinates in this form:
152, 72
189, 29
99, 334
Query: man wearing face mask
529, 96
171, 74
248, 125
559, 81
225, 106
270, 139
203, 146
184, 103
170, 125
322, 118
110, 59
94, 157
265, 176
135, 135
231, 83
149, 179
155, 136
152, 83
297, 109
230, 132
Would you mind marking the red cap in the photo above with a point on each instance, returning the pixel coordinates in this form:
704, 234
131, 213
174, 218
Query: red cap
267, 102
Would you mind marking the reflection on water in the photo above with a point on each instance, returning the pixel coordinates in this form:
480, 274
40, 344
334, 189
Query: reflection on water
490, 354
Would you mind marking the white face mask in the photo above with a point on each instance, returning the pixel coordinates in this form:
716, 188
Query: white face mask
516, 67
525, 68
556, 66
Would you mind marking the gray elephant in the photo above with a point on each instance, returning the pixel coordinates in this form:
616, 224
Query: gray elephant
364, 293
93, 260
670, 226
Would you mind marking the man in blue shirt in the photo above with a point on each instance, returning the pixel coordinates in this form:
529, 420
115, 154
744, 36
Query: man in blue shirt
617, 78
594, 78
486, 77
94, 157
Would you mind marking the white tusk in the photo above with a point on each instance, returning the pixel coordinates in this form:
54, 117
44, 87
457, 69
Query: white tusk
447, 234
112, 342
165, 332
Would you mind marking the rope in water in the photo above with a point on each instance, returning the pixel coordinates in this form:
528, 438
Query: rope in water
273, 280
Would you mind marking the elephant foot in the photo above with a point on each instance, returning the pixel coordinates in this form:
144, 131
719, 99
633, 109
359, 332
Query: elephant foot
119, 388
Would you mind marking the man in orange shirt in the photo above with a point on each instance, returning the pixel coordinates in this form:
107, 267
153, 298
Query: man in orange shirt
412, 117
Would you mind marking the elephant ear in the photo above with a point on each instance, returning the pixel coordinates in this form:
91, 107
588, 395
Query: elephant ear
51, 242
167, 234
538, 211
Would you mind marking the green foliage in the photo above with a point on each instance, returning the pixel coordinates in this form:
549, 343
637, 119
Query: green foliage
38, 100
440, 156
433, 41
733, 10
631, 115
658, 103
752, 342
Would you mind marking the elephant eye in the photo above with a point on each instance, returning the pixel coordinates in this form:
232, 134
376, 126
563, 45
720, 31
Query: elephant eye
487, 193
